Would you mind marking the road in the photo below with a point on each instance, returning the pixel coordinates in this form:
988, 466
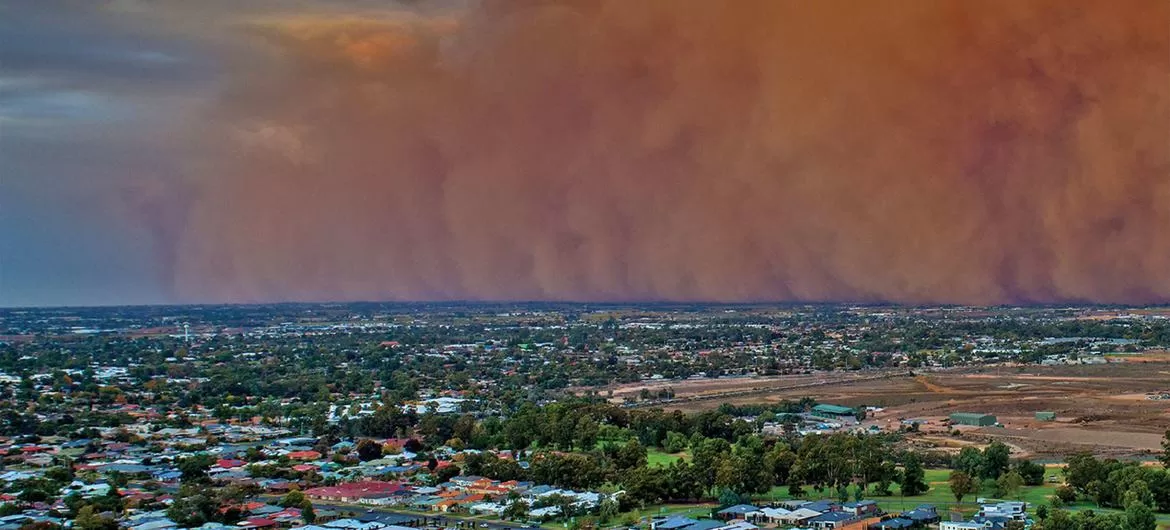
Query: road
852, 379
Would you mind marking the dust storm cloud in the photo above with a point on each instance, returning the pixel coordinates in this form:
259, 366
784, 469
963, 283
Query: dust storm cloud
915, 151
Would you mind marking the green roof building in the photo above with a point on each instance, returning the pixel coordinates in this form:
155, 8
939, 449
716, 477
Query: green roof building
833, 411
973, 418
1046, 416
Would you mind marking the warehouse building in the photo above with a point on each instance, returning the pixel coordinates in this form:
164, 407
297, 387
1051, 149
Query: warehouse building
973, 418
833, 411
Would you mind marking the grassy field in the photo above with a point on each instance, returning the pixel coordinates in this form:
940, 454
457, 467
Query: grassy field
655, 456
658, 457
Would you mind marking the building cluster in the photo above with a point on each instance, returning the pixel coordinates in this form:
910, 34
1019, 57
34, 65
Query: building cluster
859, 515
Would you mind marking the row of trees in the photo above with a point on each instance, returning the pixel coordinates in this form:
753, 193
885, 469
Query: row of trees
575, 424
752, 465
1135, 517
1114, 484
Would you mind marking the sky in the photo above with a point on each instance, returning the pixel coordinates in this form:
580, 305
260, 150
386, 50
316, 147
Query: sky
919, 151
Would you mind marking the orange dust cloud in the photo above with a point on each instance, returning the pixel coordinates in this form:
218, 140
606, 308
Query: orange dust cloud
917, 151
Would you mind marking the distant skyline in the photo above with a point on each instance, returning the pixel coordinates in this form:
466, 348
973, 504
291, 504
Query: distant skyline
167, 152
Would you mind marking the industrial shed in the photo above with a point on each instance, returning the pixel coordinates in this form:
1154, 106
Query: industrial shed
833, 411
1046, 416
973, 418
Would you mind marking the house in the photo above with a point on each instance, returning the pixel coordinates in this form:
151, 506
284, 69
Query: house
832, 520
265, 510
353, 491
672, 523
382, 499
304, 455
157, 524
738, 525
257, 522
487, 508
994, 522
959, 525
822, 506
213, 526
897, 523
773, 515
863, 508
739, 511
354, 524
922, 515
863, 523
799, 516
167, 475
547, 511
709, 524
1011, 509
465, 481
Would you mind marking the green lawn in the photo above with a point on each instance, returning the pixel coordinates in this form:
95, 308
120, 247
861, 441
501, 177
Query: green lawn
658, 457
685, 510
655, 456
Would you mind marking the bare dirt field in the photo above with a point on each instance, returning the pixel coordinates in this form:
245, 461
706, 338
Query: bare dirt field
1099, 408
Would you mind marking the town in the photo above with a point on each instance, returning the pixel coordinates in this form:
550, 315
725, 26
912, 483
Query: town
370, 416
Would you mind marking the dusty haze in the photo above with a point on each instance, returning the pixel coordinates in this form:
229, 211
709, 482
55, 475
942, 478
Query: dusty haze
911, 151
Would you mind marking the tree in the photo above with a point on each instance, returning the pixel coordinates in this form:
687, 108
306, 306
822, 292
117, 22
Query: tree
1081, 469
1059, 520
368, 449
194, 468
308, 513
1138, 516
728, 497
59, 474
191, 509
1042, 512
996, 460
1032, 473
1009, 484
1138, 492
608, 510
913, 477
962, 484
1166, 450
87, 519
675, 442
445, 474
293, 499
969, 461
631, 455
586, 432
1099, 490
778, 462
1066, 494
516, 510
988, 484
643, 486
